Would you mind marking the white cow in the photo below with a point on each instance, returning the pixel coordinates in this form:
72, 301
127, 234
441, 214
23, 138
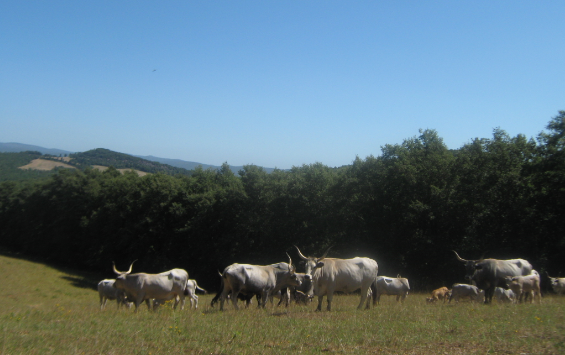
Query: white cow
558, 284
107, 291
190, 291
524, 286
504, 296
392, 286
331, 275
144, 287
459, 291
252, 279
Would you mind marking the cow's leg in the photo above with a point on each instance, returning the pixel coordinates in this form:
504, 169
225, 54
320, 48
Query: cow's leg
320, 300
363, 297
102, 303
195, 298
265, 297
330, 296
234, 294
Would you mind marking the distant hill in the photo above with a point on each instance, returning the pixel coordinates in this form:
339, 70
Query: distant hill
19, 147
106, 157
188, 165
192, 165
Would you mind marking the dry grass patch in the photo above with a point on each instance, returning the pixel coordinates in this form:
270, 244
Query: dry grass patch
43, 164
102, 168
49, 311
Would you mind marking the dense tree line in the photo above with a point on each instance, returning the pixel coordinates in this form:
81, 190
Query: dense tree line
408, 208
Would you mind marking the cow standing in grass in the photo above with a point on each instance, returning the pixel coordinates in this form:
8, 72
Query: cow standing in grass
141, 287
252, 279
392, 286
491, 273
524, 286
331, 275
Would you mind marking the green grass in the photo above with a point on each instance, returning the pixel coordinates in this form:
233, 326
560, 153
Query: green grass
50, 311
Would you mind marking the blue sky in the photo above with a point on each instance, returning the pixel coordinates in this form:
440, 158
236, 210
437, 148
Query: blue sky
275, 83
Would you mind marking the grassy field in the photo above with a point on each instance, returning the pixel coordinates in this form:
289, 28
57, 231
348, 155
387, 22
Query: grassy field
50, 311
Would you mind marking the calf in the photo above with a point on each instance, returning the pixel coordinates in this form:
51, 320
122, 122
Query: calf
522, 286
107, 291
459, 291
440, 294
190, 291
504, 296
398, 287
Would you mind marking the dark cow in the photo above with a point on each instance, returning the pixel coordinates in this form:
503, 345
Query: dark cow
491, 273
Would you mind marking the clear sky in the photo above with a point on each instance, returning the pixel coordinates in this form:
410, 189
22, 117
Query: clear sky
275, 83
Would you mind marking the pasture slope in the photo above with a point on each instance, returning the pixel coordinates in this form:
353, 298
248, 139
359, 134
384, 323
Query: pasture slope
52, 311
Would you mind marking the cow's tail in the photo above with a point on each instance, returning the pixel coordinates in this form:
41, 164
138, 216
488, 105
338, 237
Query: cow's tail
200, 288
374, 290
219, 294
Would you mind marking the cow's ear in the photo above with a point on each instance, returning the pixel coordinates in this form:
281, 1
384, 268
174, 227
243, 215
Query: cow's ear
320, 264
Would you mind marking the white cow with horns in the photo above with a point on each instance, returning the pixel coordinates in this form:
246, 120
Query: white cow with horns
331, 275
144, 287
265, 280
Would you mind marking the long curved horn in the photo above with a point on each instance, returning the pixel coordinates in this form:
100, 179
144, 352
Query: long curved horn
289, 261
459, 258
114, 267
130, 267
300, 254
326, 253
125, 272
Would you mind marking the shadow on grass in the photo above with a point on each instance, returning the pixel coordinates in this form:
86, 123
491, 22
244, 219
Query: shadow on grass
77, 278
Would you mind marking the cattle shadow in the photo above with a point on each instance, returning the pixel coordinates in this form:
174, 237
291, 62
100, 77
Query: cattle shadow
81, 282
76, 278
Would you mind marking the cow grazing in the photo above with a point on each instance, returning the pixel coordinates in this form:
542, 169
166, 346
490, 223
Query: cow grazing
459, 291
440, 294
524, 286
491, 273
558, 284
144, 287
504, 296
253, 279
302, 298
107, 291
331, 275
392, 286
305, 287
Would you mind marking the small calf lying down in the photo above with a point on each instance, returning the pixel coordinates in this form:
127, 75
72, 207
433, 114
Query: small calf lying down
463, 291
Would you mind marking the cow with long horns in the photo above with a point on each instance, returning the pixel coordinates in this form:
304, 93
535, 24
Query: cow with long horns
141, 287
491, 273
265, 280
331, 275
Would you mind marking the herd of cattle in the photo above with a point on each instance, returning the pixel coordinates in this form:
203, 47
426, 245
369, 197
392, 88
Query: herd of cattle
507, 280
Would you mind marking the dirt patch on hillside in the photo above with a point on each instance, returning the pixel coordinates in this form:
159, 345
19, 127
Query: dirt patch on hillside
102, 168
42, 164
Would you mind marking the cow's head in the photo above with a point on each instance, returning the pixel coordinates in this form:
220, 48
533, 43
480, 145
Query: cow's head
472, 267
121, 275
312, 263
294, 279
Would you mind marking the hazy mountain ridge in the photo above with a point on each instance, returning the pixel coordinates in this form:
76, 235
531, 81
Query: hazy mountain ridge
178, 163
